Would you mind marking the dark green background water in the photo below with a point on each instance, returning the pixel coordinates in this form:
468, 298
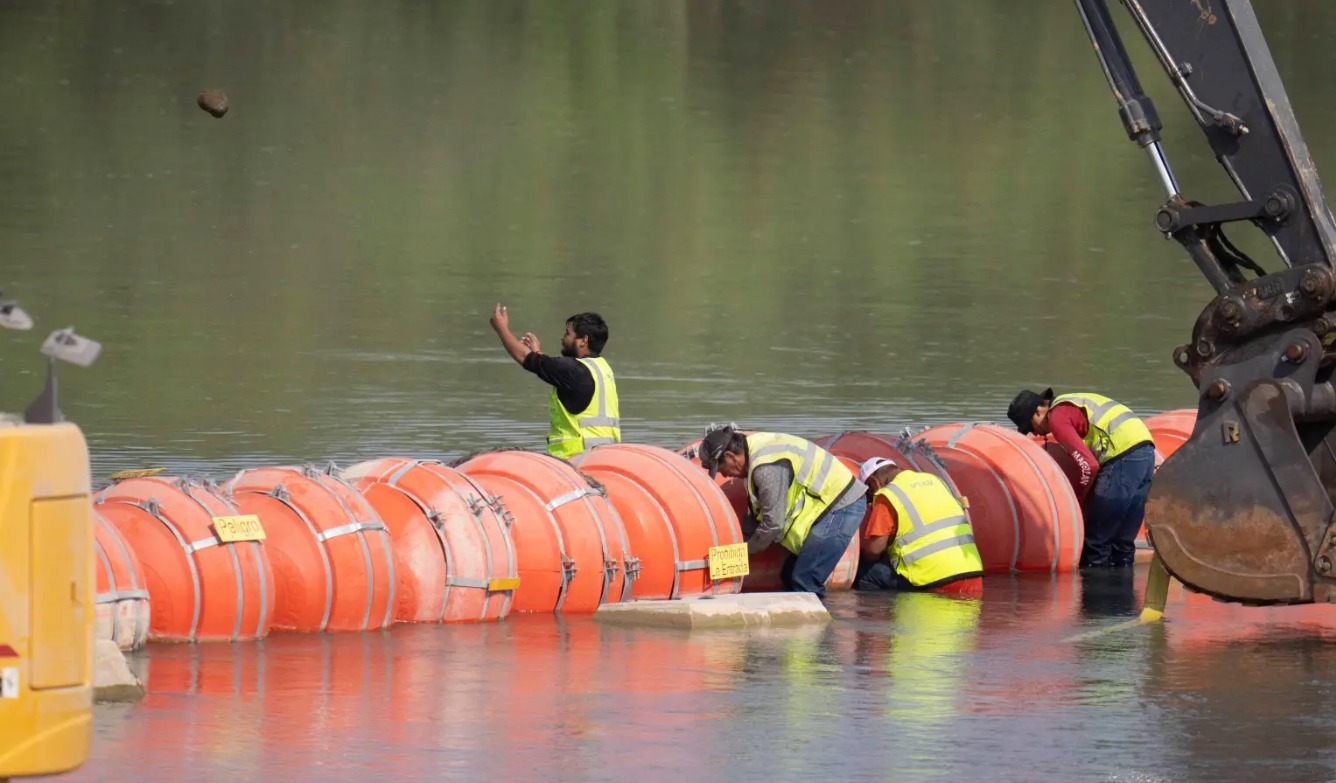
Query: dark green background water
800, 216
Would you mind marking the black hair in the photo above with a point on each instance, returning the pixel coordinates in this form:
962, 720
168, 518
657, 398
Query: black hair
593, 326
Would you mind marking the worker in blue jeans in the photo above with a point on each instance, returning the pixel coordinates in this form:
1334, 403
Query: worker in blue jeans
1115, 456
800, 496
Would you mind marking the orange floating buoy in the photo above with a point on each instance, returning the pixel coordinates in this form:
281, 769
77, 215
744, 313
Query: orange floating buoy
672, 512
122, 605
202, 588
909, 454
571, 544
765, 567
454, 556
332, 557
1021, 505
1170, 430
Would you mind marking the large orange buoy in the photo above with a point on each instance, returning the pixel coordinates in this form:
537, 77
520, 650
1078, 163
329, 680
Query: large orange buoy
331, 552
765, 567
201, 588
909, 454
1170, 430
122, 606
673, 513
453, 553
1023, 510
572, 548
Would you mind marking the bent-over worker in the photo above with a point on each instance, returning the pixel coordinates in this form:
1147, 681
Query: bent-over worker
1116, 456
582, 405
801, 496
915, 535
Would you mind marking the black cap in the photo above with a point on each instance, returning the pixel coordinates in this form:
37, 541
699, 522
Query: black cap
1023, 407
712, 448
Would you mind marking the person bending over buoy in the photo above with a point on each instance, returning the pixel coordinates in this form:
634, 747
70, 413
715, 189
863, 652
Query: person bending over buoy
915, 535
800, 496
582, 405
1116, 455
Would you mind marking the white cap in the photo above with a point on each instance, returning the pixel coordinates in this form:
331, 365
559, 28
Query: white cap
872, 466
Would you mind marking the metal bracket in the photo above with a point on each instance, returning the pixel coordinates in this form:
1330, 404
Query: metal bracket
279, 492
499, 508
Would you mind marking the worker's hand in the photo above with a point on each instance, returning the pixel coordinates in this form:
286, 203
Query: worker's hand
500, 319
530, 341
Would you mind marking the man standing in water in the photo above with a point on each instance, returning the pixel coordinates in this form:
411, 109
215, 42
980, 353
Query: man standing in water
801, 497
582, 404
1116, 455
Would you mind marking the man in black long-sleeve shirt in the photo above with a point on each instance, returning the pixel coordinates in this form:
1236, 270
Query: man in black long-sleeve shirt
583, 410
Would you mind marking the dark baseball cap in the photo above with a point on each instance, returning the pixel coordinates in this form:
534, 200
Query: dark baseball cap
712, 448
1023, 407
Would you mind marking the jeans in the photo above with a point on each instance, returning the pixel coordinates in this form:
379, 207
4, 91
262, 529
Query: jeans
1116, 509
876, 575
826, 543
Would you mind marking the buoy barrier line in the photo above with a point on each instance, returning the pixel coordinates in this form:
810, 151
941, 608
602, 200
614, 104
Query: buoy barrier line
859, 445
280, 494
610, 565
563, 566
371, 523
111, 497
121, 591
574, 502
419, 482
1042, 498
1003, 492
1075, 519
316, 499
677, 517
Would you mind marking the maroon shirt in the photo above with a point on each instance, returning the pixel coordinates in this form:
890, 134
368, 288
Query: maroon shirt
1068, 424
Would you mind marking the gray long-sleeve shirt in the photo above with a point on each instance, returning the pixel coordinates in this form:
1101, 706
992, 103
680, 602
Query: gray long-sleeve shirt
772, 481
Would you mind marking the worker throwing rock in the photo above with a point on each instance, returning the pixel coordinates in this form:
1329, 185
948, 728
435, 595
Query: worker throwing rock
800, 496
915, 535
1116, 456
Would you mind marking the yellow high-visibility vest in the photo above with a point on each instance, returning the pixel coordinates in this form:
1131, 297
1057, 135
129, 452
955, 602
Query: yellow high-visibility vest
934, 542
570, 434
819, 479
1114, 428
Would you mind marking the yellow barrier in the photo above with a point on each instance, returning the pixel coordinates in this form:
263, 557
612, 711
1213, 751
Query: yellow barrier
46, 599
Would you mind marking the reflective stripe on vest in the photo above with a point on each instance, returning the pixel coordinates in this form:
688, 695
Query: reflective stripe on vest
818, 480
570, 434
928, 553
1112, 427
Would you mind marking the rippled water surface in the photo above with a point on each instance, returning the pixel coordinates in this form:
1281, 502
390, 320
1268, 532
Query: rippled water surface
898, 687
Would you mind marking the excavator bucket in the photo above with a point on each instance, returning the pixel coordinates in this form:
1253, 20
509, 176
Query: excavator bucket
1243, 509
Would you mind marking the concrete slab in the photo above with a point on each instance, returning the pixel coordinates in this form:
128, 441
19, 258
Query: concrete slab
112, 680
748, 610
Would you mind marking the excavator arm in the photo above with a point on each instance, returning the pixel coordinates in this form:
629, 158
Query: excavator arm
1243, 510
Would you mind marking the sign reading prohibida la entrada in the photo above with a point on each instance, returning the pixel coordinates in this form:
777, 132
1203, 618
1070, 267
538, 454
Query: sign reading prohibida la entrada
728, 561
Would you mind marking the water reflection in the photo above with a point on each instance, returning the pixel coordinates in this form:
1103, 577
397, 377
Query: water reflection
927, 686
